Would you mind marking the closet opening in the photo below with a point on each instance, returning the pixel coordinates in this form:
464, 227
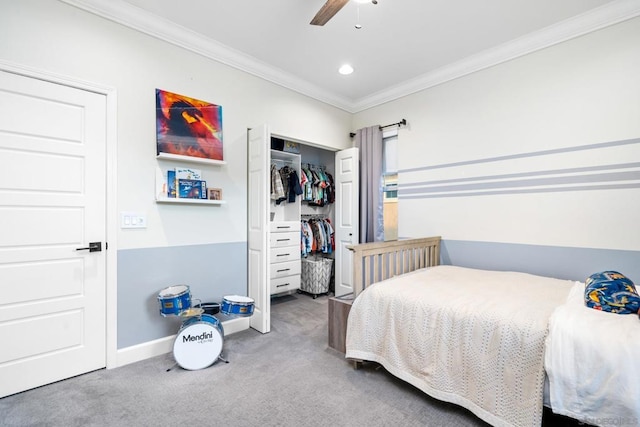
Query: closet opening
302, 199
321, 194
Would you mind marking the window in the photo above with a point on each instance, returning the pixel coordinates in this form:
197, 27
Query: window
390, 185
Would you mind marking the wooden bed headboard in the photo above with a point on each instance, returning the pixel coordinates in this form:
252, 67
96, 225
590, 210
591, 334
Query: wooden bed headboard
377, 261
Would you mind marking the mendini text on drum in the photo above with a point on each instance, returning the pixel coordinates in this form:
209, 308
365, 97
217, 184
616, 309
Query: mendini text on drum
202, 338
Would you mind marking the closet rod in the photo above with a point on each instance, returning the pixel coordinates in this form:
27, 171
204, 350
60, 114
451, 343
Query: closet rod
311, 165
287, 162
402, 122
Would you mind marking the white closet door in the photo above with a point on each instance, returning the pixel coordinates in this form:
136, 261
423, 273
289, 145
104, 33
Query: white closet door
347, 185
259, 144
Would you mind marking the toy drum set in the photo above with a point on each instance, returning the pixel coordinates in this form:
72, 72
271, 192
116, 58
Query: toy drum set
199, 341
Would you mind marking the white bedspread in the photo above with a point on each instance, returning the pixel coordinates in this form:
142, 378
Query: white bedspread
470, 337
593, 363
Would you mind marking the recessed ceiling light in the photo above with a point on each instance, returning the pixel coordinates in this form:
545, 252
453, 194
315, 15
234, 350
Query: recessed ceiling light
346, 69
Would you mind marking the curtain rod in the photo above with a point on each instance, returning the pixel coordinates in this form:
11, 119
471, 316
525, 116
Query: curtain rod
402, 122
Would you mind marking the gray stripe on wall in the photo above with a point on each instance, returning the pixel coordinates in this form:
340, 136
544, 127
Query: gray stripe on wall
526, 191
562, 183
211, 272
525, 155
551, 261
598, 168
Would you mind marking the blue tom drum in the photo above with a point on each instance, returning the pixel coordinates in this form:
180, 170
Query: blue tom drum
174, 300
237, 305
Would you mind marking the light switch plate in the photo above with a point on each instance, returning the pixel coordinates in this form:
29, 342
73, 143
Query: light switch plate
133, 220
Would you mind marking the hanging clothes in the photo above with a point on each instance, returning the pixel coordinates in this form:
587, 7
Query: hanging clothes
317, 186
294, 186
284, 176
306, 237
331, 189
285, 184
277, 188
316, 236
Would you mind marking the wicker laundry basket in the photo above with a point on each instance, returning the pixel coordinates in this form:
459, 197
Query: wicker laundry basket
316, 275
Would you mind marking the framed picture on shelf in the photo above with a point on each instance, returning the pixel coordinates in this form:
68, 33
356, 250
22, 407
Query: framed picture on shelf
187, 126
215, 194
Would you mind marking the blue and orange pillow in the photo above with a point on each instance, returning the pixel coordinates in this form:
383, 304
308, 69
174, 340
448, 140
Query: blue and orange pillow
613, 292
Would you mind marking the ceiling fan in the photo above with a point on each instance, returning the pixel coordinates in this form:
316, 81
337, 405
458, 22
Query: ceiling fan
330, 8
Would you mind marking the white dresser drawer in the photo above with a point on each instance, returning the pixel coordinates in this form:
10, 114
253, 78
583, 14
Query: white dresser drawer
285, 284
281, 269
284, 226
284, 254
289, 238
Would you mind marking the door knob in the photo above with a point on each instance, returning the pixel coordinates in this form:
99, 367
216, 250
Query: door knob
93, 247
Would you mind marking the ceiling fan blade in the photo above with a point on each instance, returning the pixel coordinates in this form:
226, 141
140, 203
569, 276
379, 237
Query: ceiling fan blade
330, 8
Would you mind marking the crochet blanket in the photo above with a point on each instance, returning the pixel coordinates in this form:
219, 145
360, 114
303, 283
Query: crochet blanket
471, 337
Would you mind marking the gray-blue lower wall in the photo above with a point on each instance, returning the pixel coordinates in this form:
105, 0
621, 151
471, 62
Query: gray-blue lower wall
215, 270
211, 272
551, 261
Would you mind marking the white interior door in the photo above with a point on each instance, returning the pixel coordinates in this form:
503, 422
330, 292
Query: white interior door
52, 202
259, 144
347, 217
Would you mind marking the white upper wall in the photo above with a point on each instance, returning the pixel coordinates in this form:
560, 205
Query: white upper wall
57, 38
580, 92
584, 91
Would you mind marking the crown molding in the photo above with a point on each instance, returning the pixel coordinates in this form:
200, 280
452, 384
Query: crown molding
128, 15
133, 17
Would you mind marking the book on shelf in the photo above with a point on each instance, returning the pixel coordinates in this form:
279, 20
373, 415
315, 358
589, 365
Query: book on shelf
192, 189
188, 173
171, 183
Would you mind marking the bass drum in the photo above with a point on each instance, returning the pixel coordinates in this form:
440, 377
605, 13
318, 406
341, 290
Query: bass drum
198, 343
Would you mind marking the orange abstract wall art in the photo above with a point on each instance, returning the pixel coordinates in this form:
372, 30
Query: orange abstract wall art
187, 126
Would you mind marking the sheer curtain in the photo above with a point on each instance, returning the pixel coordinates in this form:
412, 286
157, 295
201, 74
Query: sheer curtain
369, 143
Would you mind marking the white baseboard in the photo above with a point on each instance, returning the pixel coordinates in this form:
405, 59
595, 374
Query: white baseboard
161, 346
233, 325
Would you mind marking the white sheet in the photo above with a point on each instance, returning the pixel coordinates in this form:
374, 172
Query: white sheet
471, 337
592, 360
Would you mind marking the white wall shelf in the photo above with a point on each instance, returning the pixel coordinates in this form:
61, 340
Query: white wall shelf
188, 159
161, 178
190, 201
